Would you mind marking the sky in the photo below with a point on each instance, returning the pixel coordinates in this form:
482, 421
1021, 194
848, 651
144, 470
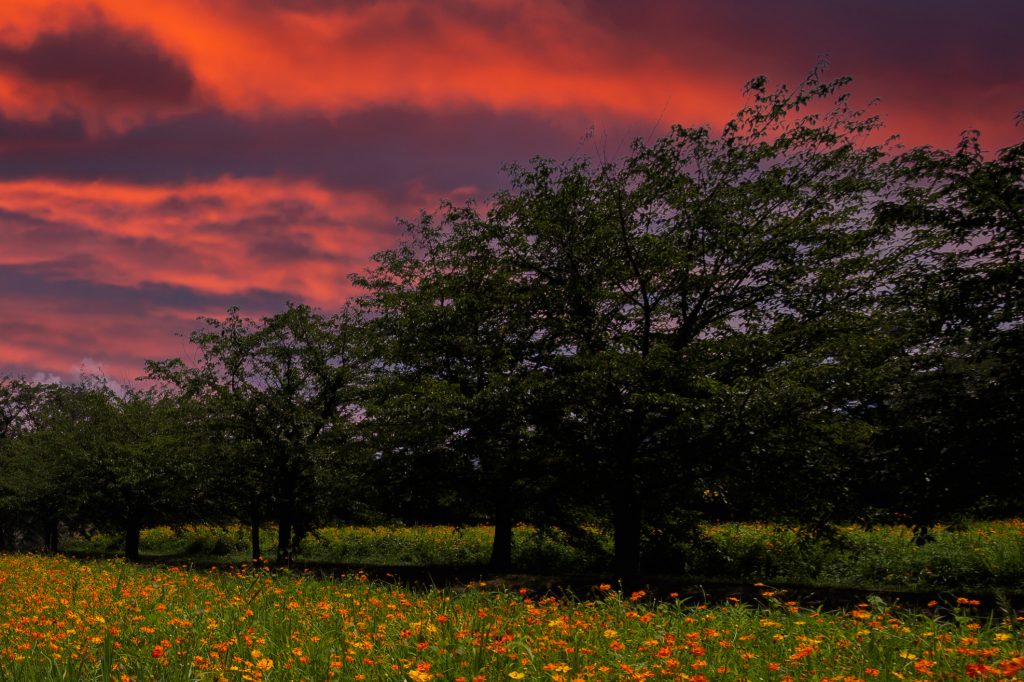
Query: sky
164, 160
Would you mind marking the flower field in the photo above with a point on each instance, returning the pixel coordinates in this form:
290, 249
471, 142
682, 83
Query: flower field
62, 619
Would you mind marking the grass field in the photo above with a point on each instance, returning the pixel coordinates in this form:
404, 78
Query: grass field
63, 619
980, 555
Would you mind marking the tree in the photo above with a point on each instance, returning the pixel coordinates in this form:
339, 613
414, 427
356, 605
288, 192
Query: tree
458, 366
21, 405
633, 298
950, 426
97, 457
659, 276
283, 393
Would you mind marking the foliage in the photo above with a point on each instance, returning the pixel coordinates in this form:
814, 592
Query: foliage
282, 393
97, 457
950, 419
635, 299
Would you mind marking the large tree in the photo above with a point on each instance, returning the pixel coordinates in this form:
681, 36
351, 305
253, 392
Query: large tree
701, 254
281, 394
950, 439
457, 342
632, 300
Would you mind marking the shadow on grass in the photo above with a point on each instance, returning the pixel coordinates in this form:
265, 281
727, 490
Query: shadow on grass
996, 602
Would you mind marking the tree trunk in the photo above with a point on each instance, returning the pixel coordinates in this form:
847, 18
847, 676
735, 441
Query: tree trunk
285, 521
300, 528
501, 550
627, 541
132, 535
51, 535
254, 532
626, 519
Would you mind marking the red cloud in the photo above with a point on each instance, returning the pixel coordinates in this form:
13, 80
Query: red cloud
685, 62
224, 237
111, 271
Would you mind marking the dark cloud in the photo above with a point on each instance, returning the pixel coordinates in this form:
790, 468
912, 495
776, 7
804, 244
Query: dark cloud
31, 136
268, 236
49, 282
943, 41
274, 217
103, 60
383, 149
26, 222
176, 205
307, 6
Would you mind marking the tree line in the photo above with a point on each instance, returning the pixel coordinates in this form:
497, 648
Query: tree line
789, 319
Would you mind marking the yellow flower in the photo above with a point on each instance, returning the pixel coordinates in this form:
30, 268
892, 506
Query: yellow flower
516, 675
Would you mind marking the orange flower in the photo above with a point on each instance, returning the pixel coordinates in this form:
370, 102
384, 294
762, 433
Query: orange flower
924, 666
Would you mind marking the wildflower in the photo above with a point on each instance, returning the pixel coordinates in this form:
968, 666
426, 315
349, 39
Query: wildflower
158, 651
802, 652
516, 675
924, 666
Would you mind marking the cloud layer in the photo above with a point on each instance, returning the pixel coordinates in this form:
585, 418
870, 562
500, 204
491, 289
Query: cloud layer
168, 159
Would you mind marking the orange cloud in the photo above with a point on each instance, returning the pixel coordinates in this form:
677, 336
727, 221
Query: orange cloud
112, 271
224, 237
683, 62
505, 55
62, 342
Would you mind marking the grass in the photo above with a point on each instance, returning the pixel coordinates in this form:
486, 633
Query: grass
64, 619
977, 555
547, 550
980, 555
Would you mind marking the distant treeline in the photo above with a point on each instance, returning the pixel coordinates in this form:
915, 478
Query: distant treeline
789, 319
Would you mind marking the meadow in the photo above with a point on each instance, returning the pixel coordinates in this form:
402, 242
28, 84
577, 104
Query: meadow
68, 619
977, 555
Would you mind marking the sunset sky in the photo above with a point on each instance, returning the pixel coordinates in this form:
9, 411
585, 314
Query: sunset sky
166, 159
